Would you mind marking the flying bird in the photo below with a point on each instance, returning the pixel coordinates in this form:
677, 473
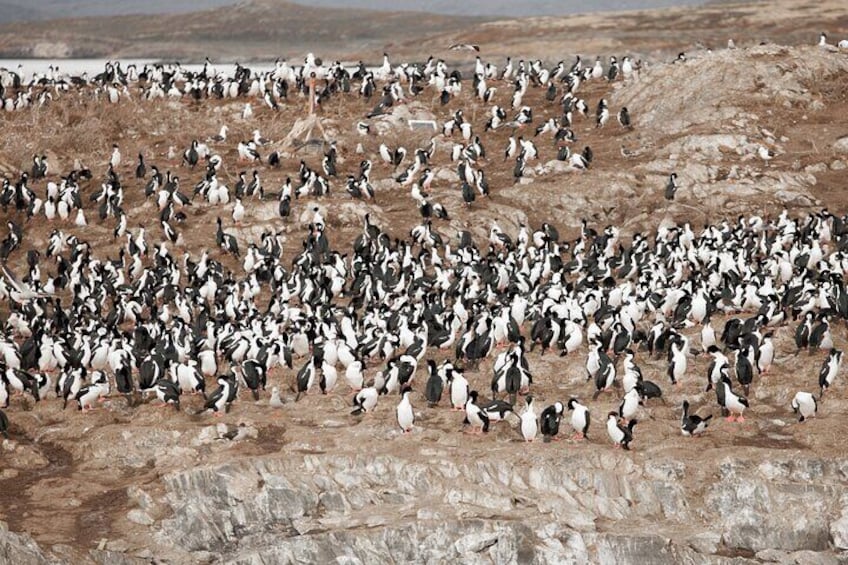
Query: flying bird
464, 47
20, 292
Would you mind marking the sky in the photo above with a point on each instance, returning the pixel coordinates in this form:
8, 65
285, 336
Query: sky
14, 10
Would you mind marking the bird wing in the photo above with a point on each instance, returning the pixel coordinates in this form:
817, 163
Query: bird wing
13, 279
21, 287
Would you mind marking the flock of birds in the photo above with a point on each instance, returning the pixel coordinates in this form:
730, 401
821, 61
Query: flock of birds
145, 322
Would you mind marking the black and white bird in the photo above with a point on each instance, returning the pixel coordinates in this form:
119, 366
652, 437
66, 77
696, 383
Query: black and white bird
219, 401
497, 410
435, 385
621, 436
89, 394
734, 404
20, 292
624, 118
671, 187
458, 388
605, 375
580, 419
529, 420
765, 153
307, 377
602, 113
744, 368
692, 424
115, 158
405, 413
474, 415
464, 47
629, 405
168, 392
829, 370
677, 363
549, 421
141, 168
805, 405
365, 401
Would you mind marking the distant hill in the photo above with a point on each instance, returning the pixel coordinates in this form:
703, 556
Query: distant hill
23, 10
257, 29
503, 8
268, 29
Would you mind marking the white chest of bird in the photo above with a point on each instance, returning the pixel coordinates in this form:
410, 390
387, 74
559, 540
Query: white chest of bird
329, 377
87, 396
678, 365
629, 380
185, 374
208, 363
804, 404
766, 355
458, 391
629, 405
405, 413
615, 433
593, 364
353, 375
529, 423
579, 418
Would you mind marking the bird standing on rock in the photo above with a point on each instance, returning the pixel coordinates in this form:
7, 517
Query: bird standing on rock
405, 413
115, 158
365, 401
580, 419
550, 420
529, 424
732, 402
829, 369
434, 386
692, 424
671, 187
621, 436
804, 404
624, 118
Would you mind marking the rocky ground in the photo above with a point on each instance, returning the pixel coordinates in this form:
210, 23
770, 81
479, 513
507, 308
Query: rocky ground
311, 483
